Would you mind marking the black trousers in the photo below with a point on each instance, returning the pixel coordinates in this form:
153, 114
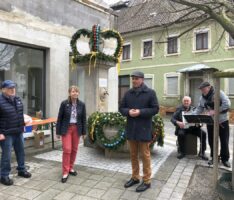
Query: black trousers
224, 140
197, 131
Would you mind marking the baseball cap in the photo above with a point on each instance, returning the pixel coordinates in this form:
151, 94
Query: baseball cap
137, 74
8, 84
203, 85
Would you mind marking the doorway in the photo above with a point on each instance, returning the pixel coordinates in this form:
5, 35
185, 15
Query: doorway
194, 91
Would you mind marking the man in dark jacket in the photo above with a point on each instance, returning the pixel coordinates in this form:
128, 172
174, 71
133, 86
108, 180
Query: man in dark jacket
182, 129
139, 104
11, 132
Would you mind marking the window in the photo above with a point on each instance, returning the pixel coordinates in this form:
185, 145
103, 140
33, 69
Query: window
147, 48
202, 41
172, 45
230, 41
230, 91
124, 85
126, 52
171, 84
25, 66
149, 80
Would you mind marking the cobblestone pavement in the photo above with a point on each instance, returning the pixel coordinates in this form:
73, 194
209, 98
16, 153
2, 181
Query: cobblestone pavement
103, 178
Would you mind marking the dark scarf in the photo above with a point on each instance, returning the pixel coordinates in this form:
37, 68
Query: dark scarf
139, 89
209, 96
210, 99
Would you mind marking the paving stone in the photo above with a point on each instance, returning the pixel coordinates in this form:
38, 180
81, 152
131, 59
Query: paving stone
89, 183
48, 194
150, 193
96, 177
130, 195
14, 191
103, 185
113, 194
45, 185
61, 186
96, 193
31, 194
109, 179
79, 197
64, 196
83, 190
3, 196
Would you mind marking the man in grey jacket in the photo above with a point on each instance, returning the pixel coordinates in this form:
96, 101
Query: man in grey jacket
206, 103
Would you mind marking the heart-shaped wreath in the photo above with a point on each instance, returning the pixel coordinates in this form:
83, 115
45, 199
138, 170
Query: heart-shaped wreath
103, 45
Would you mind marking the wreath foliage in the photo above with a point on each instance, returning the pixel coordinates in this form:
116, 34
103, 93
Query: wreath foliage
95, 38
97, 121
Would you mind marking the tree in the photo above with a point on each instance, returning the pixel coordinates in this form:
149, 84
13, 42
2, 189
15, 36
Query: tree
6, 54
222, 11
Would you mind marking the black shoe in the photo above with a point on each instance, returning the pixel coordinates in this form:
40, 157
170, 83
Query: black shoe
64, 179
203, 156
131, 182
142, 187
210, 162
181, 155
226, 164
74, 173
6, 181
24, 174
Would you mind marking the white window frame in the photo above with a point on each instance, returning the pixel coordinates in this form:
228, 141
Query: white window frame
201, 30
226, 85
152, 77
128, 43
227, 42
142, 48
178, 45
167, 75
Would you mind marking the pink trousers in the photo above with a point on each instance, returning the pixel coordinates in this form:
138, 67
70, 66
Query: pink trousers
70, 143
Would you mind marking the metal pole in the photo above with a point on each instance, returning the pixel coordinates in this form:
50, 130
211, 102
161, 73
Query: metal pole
216, 128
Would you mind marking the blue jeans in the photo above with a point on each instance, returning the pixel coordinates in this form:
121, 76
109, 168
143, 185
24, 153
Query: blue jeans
17, 141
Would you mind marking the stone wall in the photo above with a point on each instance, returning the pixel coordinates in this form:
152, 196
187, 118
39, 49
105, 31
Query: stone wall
49, 25
70, 13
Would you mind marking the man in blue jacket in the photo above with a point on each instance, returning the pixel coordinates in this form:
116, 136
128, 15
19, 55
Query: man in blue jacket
139, 104
11, 132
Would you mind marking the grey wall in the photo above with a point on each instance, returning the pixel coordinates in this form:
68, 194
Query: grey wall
63, 12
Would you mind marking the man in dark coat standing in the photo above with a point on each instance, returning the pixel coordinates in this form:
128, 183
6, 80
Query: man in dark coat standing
11, 132
139, 104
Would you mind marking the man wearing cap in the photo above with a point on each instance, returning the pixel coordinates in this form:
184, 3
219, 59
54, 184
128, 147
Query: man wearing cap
206, 103
11, 132
139, 104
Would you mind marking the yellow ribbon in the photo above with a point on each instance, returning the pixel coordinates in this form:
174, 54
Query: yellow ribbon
93, 54
93, 127
72, 64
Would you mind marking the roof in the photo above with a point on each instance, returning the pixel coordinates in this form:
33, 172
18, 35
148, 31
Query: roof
145, 14
197, 67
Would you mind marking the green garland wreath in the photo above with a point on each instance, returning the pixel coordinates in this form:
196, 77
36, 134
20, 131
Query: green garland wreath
97, 121
106, 34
